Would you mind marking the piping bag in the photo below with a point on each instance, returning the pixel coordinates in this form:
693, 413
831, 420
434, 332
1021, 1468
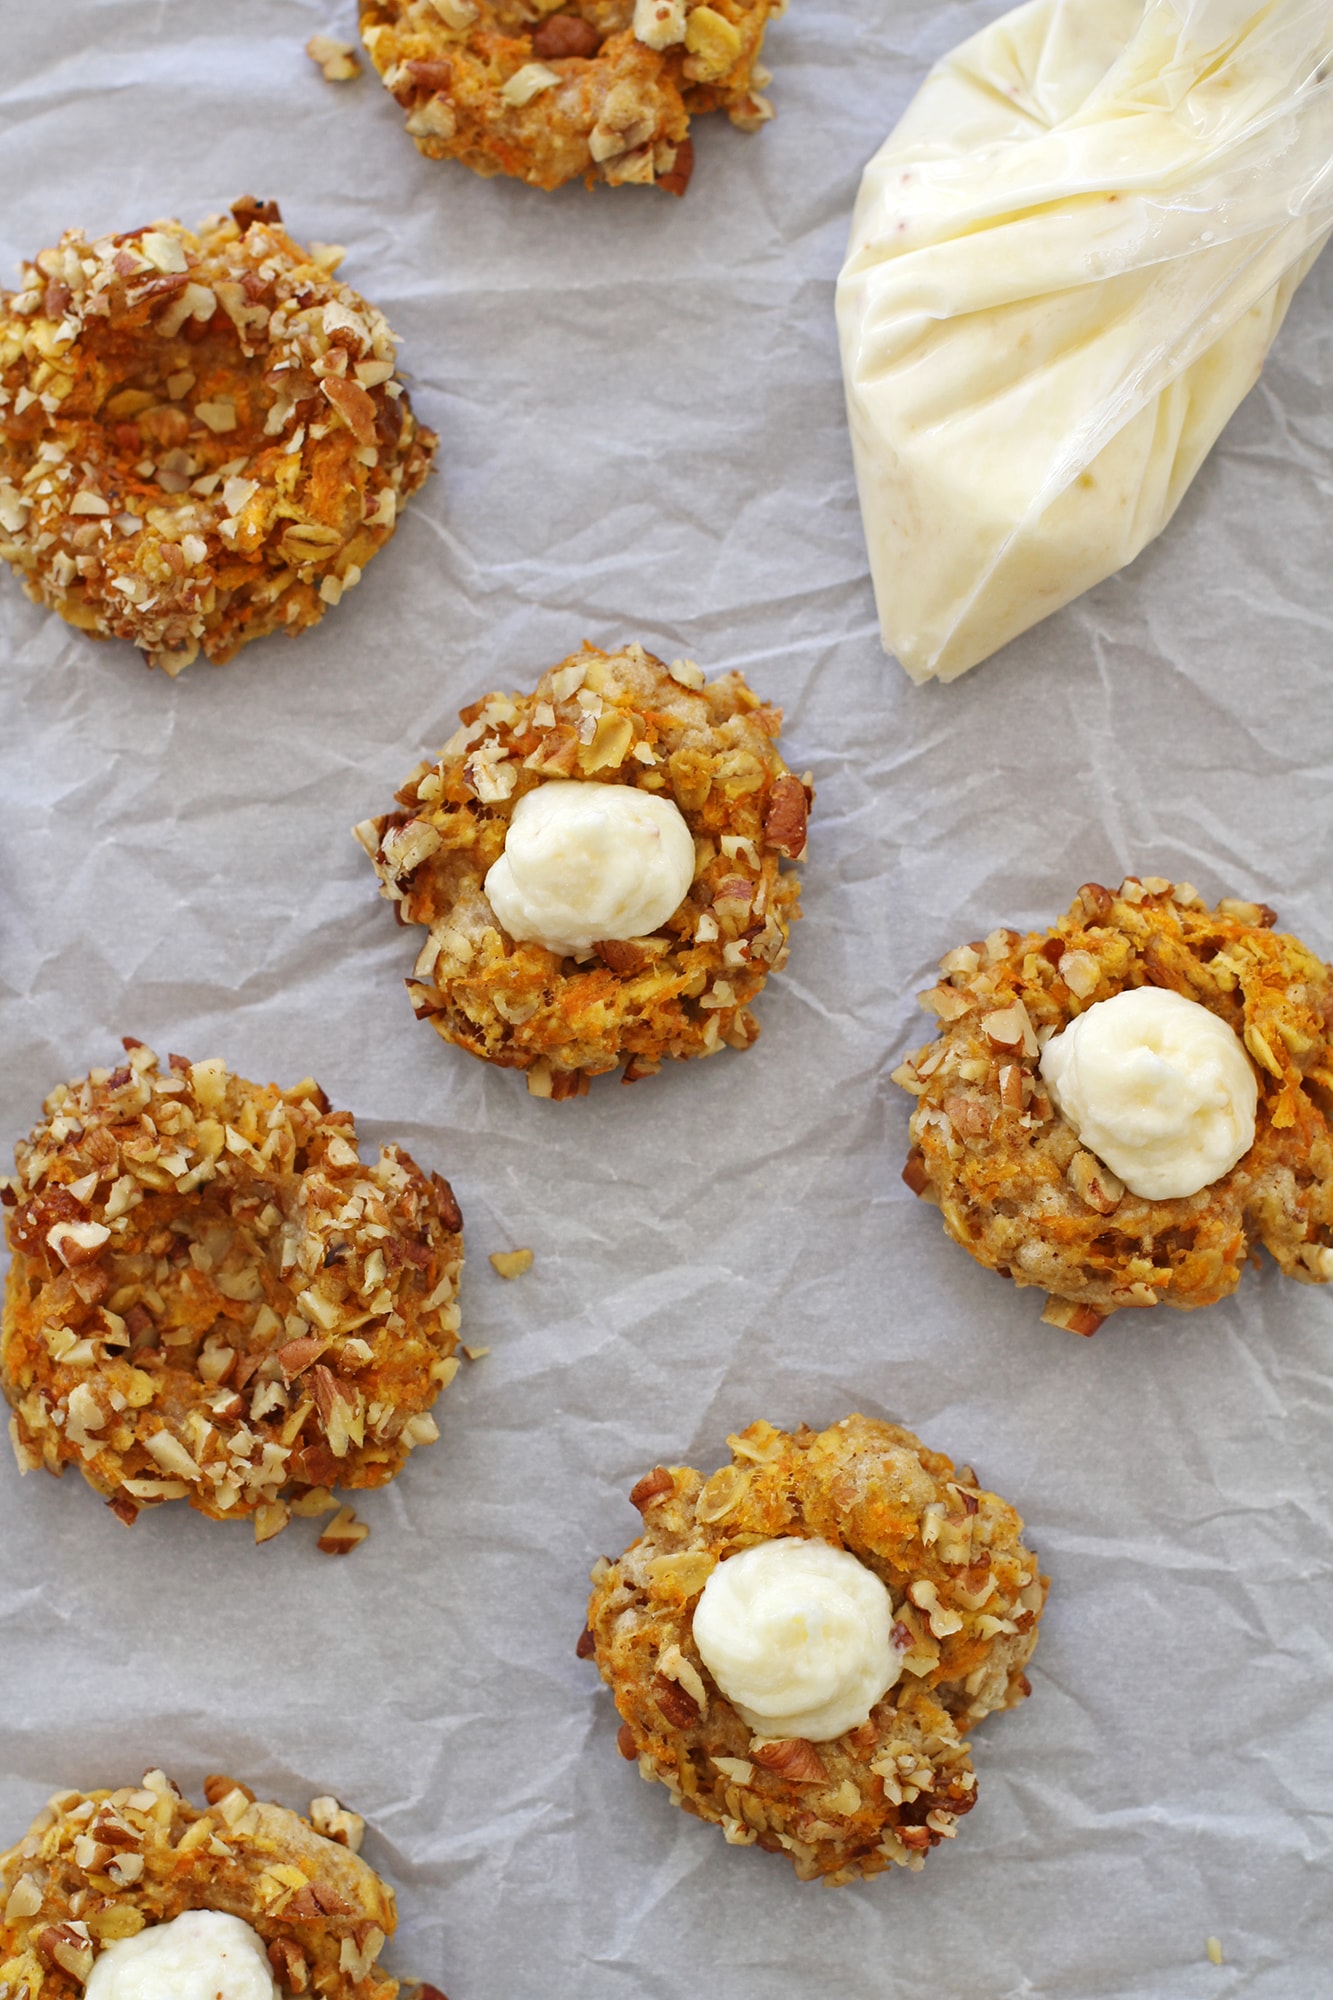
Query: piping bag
1067, 265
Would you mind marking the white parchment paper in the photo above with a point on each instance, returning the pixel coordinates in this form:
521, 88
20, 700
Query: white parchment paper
643, 436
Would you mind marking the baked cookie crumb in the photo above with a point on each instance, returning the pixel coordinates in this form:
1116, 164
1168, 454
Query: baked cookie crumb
337, 60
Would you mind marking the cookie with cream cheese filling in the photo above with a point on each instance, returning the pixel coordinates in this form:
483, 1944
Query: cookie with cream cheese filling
677, 972
1021, 1187
104, 1878
963, 1596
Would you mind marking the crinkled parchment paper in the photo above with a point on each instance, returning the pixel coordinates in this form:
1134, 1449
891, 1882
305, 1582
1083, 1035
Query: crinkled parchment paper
643, 436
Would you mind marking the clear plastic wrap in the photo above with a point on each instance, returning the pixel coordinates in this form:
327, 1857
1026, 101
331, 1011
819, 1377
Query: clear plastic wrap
1067, 265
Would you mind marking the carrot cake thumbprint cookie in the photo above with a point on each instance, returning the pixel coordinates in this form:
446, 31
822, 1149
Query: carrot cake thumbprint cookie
202, 435
1123, 1108
213, 1298
798, 1644
598, 866
138, 1895
564, 90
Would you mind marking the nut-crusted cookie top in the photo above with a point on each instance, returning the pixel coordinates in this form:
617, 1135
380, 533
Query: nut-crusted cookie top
95, 1867
569, 89
967, 1599
1014, 1184
202, 436
616, 718
212, 1298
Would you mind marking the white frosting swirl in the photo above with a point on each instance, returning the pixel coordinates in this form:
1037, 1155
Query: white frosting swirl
584, 862
200, 1955
1157, 1087
797, 1634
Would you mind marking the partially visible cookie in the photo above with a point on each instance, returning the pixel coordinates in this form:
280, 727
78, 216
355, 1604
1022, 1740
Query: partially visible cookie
1014, 1183
570, 89
212, 1298
202, 435
966, 1598
101, 1867
708, 752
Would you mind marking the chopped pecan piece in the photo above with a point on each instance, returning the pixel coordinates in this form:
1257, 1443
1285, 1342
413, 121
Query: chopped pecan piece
1259, 914
78, 1242
430, 76
621, 956
354, 405
653, 1483
336, 59
315, 1465
565, 35
1072, 1317
791, 1757
785, 822
217, 1786
1096, 901
451, 1215
248, 210
1094, 1183
328, 1900
335, 1822
680, 1709
677, 177
290, 1968
343, 1534
294, 1356
67, 1946
969, 1116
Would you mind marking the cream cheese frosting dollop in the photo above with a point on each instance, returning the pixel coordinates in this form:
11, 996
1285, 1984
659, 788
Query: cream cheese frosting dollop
584, 862
798, 1636
1157, 1087
200, 1955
